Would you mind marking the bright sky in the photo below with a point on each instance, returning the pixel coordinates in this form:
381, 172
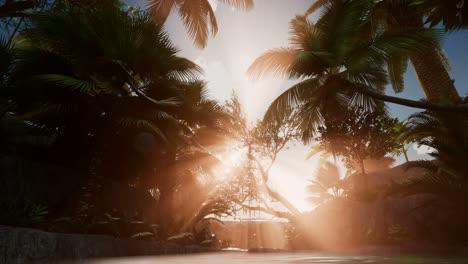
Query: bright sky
242, 37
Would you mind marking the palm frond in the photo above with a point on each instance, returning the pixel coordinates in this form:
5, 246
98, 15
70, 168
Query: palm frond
161, 8
316, 6
434, 183
341, 20
292, 98
129, 122
316, 187
425, 164
275, 62
184, 70
397, 67
328, 174
245, 5
69, 82
316, 150
199, 19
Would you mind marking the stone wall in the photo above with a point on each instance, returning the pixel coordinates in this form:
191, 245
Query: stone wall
29, 246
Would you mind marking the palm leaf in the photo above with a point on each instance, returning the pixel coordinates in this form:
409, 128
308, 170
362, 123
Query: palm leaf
199, 19
276, 62
315, 6
291, 98
69, 82
245, 5
129, 122
397, 67
161, 8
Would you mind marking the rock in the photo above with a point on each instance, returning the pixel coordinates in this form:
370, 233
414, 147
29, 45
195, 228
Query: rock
21, 245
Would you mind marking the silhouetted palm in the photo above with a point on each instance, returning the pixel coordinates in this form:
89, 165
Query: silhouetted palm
447, 136
446, 175
453, 14
402, 129
197, 15
101, 77
430, 63
341, 60
6, 59
325, 185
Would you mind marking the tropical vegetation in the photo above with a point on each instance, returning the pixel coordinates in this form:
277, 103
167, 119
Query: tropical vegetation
115, 133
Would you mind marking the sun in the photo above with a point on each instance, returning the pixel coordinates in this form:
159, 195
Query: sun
230, 159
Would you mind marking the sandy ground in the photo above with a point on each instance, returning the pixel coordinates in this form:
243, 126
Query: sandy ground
280, 258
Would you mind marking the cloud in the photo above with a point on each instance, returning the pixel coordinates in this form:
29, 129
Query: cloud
220, 80
423, 150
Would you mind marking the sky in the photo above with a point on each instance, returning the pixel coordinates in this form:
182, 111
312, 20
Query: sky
243, 36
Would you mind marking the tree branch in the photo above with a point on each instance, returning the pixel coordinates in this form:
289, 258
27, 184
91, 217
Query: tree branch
460, 108
270, 192
268, 210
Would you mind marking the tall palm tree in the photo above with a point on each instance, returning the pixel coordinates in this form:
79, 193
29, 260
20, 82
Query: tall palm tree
98, 79
429, 63
341, 61
197, 15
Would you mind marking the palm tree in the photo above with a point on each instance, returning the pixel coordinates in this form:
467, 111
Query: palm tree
447, 136
97, 79
341, 62
401, 130
430, 63
197, 15
446, 175
452, 14
325, 185
6, 59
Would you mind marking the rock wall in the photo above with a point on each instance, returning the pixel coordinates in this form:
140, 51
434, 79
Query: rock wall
29, 246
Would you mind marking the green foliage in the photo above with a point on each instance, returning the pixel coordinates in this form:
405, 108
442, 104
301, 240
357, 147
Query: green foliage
446, 175
118, 225
182, 238
198, 16
106, 86
358, 136
125, 226
452, 14
397, 233
326, 184
24, 214
340, 57
401, 130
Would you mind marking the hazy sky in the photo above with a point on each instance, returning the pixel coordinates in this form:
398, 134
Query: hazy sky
242, 37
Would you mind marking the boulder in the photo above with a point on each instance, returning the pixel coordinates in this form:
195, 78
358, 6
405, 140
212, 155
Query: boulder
21, 245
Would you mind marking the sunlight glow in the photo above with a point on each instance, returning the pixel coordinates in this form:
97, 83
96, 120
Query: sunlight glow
230, 159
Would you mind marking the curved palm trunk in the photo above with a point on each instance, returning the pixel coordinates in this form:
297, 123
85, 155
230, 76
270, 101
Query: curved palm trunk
433, 76
432, 72
460, 108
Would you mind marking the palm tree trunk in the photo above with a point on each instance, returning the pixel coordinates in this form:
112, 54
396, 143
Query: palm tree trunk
460, 108
433, 76
432, 72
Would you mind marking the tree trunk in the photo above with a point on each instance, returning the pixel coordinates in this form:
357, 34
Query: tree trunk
432, 72
455, 108
433, 76
364, 176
